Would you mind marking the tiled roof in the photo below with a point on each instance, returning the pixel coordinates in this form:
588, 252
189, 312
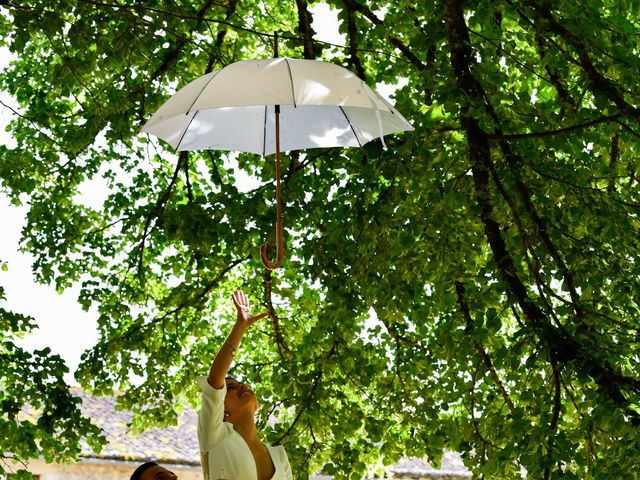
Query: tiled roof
451, 467
176, 445
179, 445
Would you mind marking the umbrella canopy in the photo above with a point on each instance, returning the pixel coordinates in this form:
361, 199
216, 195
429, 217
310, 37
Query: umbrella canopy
322, 105
266, 106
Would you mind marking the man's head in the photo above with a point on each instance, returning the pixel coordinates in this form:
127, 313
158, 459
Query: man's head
153, 471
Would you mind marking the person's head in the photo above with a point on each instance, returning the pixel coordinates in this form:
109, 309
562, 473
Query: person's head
153, 471
239, 401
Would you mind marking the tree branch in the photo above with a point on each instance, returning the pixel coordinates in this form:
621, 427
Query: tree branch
192, 301
304, 27
155, 213
213, 59
514, 163
171, 56
395, 41
615, 155
312, 391
501, 50
184, 157
559, 342
598, 81
284, 351
527, 247
352, 35
482, 353
35, 125
557, 404
551, 133
554, 76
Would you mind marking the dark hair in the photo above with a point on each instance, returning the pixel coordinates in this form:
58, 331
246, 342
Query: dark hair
140, 470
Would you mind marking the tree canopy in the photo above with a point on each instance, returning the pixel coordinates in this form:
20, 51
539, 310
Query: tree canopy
40, 415
474, 287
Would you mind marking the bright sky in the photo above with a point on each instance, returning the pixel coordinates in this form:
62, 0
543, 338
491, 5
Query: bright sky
62, 324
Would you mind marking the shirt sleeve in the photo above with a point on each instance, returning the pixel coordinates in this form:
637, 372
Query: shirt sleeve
285, 463
211, 416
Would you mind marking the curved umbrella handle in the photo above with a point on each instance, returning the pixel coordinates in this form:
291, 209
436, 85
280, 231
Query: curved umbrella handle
264, 255
264, 248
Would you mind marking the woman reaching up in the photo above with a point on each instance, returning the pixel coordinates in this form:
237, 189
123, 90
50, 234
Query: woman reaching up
230, 446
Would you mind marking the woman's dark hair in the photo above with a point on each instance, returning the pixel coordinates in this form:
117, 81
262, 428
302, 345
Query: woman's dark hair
140, 470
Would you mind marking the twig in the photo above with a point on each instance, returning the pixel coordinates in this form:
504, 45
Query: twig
155, 213
551, 133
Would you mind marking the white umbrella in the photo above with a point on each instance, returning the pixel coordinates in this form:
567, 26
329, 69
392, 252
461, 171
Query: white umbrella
265, 106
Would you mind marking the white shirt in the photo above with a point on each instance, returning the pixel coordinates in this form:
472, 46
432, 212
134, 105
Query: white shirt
224, 453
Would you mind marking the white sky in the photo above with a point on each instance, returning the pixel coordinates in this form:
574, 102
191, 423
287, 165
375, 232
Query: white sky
62, 324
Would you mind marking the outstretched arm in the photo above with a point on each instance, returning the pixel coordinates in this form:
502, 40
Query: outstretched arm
227, 351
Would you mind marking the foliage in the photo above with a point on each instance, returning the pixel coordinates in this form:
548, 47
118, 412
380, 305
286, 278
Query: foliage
474, 287
40, 415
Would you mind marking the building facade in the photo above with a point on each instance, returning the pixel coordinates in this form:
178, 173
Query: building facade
177, 448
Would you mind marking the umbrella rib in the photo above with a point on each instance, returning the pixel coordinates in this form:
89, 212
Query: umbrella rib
293, 93
186, 129
383, 100
352, 129
205, 86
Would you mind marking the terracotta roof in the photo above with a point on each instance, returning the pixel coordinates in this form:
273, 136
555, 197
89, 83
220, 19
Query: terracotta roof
179, 445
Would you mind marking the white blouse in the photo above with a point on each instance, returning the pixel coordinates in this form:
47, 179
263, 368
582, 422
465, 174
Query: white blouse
224, 453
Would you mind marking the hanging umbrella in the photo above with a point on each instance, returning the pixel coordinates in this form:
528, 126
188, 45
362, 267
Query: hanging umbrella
273, 105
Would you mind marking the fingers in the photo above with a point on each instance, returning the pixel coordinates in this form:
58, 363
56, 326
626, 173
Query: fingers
240, 300
234, 297
239, 295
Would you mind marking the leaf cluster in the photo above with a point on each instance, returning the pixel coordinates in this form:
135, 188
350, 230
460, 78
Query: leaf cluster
474, 287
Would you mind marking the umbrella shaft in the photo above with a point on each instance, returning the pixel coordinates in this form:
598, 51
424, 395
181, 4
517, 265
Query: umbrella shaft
264, 250
278, 192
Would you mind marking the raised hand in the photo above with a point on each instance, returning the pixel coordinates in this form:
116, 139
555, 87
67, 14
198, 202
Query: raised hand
244, 317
